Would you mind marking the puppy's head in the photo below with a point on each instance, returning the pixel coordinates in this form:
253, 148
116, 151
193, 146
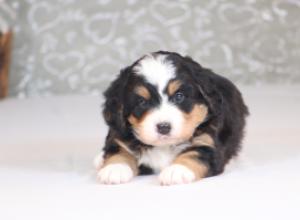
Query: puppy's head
158, 99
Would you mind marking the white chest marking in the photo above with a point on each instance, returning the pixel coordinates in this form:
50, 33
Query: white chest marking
158, 158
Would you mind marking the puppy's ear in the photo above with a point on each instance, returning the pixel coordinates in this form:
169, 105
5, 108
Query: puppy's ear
113, 111
206, 82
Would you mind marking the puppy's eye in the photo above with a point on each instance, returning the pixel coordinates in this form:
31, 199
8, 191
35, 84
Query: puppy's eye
142, 102
178, 97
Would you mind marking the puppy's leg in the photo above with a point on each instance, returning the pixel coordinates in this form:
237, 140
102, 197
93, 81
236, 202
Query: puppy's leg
194, 163
186, 168
118, 168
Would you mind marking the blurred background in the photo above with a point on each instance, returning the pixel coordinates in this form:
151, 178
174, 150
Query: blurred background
78, 47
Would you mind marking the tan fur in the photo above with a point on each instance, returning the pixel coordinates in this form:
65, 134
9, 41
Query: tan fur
193, 119
203, 139
189, 160
143, 91
135, 121
123, 156
173, 87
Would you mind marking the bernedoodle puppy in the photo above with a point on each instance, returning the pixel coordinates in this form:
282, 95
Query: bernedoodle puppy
169, 115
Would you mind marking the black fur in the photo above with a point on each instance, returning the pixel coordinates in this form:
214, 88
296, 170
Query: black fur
225, 121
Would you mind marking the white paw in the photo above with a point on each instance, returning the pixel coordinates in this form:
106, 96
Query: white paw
115, 174
176, 174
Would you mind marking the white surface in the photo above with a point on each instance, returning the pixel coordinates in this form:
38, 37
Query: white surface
47, 147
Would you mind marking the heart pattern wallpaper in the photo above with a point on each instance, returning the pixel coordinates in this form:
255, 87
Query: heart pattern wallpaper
78, 47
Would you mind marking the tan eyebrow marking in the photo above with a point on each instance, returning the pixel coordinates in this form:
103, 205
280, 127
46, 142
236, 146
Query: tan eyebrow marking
173, 87
143, 91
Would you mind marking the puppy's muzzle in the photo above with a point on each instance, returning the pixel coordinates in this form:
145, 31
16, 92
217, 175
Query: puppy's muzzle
163, 128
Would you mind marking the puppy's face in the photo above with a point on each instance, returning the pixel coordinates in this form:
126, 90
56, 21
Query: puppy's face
164, 105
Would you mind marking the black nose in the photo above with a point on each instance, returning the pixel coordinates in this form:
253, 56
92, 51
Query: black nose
163, 128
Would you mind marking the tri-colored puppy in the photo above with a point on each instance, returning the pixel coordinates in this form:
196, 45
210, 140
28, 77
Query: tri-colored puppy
169, 115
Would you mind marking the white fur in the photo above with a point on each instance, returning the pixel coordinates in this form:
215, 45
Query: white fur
98, 160
176, 174
157, 70
115, 174
160, 157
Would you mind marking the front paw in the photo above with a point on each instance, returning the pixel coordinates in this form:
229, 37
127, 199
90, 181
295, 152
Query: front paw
115, 174
176, 174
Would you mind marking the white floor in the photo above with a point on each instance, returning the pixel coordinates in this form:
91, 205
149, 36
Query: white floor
47, 146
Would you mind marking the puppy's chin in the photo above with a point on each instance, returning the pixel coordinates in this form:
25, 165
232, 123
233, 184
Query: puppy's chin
162, 141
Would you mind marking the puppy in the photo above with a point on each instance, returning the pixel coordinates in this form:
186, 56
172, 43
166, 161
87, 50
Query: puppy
167, 114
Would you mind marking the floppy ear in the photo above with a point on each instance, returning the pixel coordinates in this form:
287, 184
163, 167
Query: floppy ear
207, 85
113, 111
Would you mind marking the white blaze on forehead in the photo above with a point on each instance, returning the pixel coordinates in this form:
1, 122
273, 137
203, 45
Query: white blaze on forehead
157, 70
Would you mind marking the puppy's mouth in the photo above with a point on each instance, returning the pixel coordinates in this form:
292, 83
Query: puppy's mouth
164, 136
166, 140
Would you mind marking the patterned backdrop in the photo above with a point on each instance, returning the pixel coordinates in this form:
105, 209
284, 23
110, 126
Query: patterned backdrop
78, 46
